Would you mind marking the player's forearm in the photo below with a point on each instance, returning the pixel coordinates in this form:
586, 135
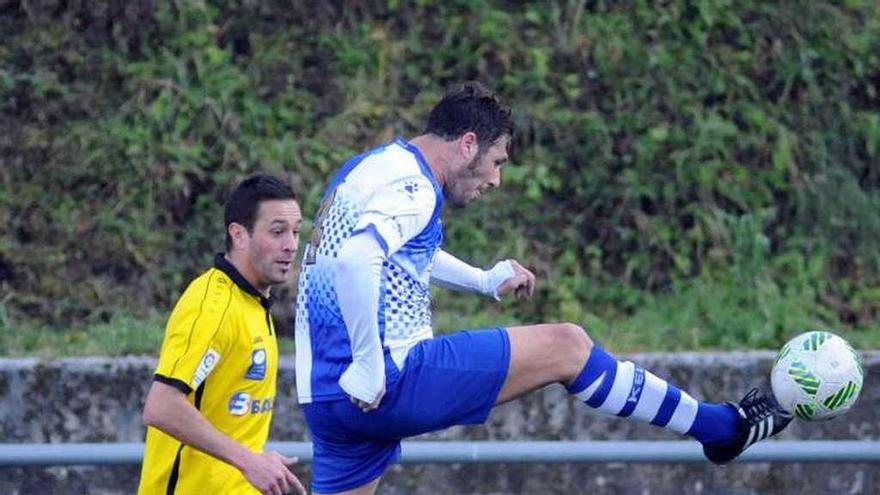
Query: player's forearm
170, 412
453, 273
358, 276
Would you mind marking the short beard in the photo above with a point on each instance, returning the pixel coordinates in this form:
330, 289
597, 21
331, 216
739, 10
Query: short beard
459, 201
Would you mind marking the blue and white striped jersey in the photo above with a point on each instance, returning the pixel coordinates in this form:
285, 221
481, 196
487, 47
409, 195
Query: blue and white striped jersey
391, 191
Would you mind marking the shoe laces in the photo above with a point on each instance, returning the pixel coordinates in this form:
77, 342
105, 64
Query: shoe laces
755, 406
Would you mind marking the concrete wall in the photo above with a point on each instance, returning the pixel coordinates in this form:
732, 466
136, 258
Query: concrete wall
99, 400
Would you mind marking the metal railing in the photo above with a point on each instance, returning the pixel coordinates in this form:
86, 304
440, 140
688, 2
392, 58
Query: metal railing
424, 452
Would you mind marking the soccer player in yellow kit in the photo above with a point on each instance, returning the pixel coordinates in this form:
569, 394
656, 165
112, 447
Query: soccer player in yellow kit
210, 405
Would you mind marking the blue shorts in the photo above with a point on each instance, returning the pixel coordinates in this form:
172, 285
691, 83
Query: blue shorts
449, 380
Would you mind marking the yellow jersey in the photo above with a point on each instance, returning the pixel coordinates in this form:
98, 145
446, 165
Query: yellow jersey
220, 350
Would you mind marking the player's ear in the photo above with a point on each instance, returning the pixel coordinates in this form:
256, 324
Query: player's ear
239, 235
469, 145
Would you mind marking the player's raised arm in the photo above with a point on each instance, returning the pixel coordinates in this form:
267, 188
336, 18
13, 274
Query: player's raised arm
505, 277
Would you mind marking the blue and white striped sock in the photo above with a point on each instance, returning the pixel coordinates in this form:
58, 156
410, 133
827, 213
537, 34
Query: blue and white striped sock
627, 390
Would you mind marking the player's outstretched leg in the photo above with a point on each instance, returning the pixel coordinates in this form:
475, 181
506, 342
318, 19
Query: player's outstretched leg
564, 353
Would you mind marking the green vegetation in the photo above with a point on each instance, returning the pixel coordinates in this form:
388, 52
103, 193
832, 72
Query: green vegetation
119, 336
685, 175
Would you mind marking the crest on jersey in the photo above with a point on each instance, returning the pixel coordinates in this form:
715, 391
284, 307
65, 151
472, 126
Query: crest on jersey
257, 369
410, 188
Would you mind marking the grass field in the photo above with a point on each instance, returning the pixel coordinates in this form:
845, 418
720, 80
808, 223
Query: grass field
697, 317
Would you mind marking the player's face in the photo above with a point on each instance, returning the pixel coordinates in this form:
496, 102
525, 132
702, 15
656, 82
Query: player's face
273, 242
480, 175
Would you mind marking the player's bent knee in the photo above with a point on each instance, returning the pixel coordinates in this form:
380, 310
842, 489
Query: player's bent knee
563, 347
576, 337
571, 347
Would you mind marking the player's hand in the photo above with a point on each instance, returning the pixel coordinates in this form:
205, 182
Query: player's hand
365, 384
268, 472
369, 406
521, 284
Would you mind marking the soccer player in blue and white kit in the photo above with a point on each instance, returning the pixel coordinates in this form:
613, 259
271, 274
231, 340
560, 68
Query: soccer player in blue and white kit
369, 370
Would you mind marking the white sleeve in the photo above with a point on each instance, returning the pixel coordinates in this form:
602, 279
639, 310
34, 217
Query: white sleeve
398, 211
453, 273
358, 275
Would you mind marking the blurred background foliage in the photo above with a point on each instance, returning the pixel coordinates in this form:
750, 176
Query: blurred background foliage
686, 174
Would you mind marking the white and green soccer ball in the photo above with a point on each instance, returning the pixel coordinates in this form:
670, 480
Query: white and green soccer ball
817, 376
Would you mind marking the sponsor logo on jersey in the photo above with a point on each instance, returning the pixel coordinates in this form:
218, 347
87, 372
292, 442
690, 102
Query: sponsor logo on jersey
241, 403
206, 366
257, 370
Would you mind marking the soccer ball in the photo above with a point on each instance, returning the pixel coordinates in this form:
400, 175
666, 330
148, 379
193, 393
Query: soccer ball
817, 376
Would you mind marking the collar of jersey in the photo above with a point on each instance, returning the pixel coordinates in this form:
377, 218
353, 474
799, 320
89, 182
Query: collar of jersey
222, 264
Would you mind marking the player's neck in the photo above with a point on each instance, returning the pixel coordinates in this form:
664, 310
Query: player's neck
434, 150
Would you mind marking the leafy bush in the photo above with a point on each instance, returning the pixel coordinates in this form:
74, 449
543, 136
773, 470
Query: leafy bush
703, 172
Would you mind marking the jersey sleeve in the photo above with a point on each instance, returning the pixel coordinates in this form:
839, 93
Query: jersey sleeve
398, 211
196, 338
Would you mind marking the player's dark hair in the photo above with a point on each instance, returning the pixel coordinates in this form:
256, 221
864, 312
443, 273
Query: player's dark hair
244, 202
470, 107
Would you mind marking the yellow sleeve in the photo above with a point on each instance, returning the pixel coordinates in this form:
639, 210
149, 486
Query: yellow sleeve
197, 335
